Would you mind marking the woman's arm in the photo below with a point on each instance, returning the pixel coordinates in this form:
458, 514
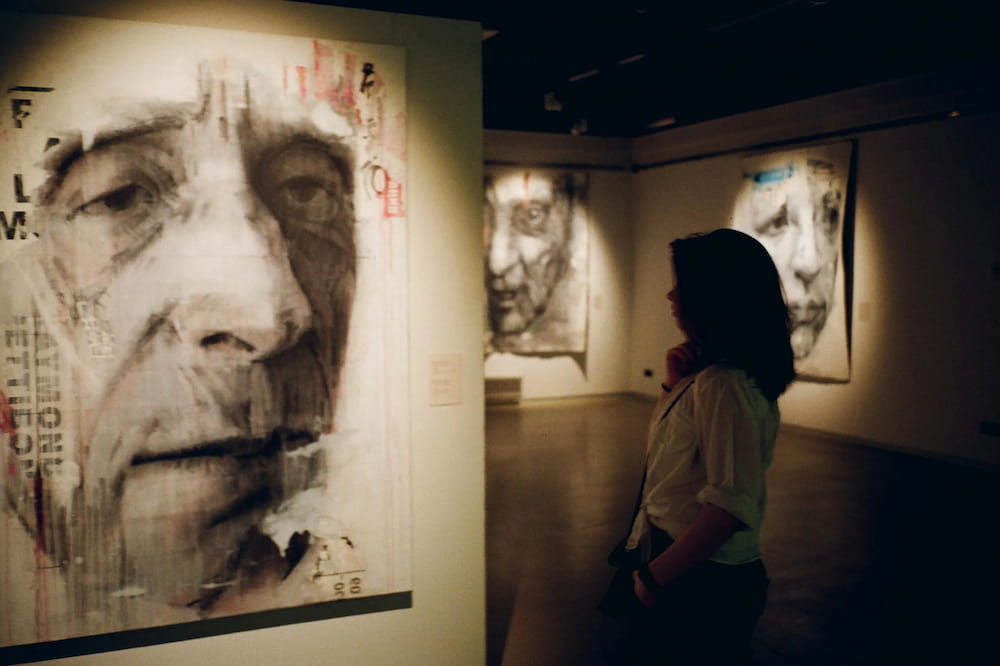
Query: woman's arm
711, 528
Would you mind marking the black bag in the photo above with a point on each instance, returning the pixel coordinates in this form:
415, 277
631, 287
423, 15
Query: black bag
620, 601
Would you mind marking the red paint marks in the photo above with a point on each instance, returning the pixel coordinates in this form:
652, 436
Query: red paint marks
11, 470
347, 88
301, 71
322, 74
327, 80
7, 426
392, 199
335, 78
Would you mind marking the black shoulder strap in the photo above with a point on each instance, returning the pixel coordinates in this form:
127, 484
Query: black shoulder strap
645, 465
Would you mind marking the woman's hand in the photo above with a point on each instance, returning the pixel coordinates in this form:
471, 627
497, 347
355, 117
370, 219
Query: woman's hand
681, 362
645, 597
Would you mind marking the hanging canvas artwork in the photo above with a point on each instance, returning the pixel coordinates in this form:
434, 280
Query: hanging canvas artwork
203, 299
794, 203
536, 261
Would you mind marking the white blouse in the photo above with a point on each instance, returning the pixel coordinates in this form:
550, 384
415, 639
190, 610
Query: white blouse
713, 447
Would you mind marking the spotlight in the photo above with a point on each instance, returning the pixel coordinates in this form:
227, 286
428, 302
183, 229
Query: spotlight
584, 75
662, 122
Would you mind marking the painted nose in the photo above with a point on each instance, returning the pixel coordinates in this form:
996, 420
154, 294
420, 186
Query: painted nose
503, 254
240, 296
805, 258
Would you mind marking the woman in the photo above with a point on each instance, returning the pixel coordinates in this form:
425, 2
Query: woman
710, 441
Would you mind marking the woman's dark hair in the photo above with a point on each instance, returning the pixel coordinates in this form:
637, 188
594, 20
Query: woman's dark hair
729, 294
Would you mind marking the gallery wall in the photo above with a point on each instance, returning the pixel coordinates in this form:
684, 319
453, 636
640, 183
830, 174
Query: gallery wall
603, 368
925, 372
925, 366
446, 623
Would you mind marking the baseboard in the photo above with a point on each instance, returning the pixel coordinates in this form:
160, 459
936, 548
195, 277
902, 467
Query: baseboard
502, 390
850, 440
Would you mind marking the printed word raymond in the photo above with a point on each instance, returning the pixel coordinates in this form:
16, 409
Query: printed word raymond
32, 392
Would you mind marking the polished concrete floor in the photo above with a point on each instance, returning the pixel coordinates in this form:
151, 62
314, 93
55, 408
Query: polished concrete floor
875, 557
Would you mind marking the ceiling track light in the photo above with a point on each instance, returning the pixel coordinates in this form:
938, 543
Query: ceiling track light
633, 58
662, 122
584, 75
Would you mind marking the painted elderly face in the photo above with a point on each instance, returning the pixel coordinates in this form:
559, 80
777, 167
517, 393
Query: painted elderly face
186, 305
795, 214
527, 233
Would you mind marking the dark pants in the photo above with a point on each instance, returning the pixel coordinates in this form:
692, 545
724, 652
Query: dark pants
705, 617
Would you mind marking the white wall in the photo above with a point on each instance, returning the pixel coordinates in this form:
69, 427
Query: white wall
447, 622
604, 367
925, 351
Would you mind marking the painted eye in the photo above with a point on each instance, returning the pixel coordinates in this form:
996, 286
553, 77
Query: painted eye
832, 220
132, 199
306, 198
831, 211
307, 184
773, 225
532, 217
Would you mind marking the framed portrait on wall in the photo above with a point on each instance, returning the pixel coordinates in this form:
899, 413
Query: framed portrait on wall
795, 202
537, 252
202, 266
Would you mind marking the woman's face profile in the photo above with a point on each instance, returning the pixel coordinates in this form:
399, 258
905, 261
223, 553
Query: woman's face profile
678, 313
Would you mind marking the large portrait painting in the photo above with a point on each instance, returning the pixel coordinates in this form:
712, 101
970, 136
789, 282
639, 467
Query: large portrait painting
203, 392
794, 202
535, 233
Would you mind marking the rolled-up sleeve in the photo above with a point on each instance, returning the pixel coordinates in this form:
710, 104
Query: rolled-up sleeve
730, 447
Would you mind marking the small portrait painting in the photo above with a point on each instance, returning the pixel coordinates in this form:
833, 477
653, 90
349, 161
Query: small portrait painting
794, 203
536, 242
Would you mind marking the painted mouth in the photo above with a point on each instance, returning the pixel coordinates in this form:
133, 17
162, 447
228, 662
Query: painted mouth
504, 299
812, 315
228, 479
280, 439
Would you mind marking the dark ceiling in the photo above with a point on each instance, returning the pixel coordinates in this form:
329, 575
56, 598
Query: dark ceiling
629, 68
